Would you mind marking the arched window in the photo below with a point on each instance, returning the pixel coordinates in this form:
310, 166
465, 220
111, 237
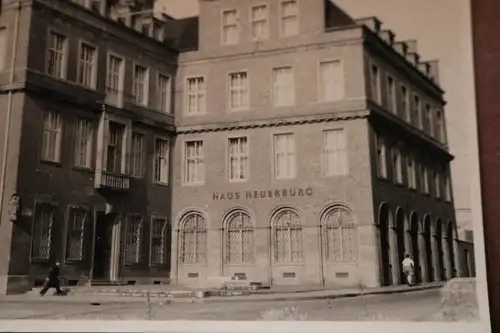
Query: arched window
287, 237
340, 236
193, 240
239, 239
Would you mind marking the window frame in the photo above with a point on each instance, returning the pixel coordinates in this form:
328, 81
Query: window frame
281, 19
158, 91
228, 156
140, 238
223, 26
121, 78
253, 21
131, 159
33, 241
76, 140
293, 88
147, 85
346, 152
229, 89
65, 55
168, 158
186, 95
88, 219
274, 156
165, 241
184, 162
95, 67
58, 149
321, 89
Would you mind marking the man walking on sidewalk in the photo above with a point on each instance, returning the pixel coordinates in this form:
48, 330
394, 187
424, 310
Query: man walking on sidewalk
409, 270
52, 280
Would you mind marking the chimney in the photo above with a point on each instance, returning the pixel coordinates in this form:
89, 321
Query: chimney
401, 48
387, 36
433, 70
372, 23
413, 57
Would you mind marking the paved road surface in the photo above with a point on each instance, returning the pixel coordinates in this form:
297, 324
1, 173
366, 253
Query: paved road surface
413, 306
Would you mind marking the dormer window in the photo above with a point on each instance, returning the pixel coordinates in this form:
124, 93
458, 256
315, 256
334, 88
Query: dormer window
158, 32
146, 29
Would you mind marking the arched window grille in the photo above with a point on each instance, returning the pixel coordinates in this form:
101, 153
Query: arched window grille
287, 234
340, 236
193, 240
239, 239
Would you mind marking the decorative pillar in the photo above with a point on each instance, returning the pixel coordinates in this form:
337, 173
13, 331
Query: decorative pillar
422, 256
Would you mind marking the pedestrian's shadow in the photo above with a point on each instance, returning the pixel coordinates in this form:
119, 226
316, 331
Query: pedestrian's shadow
64, 292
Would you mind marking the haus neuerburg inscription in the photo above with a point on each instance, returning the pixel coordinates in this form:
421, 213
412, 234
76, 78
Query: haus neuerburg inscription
263, 194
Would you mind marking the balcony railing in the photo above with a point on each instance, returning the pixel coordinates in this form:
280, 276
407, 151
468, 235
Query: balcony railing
104, 179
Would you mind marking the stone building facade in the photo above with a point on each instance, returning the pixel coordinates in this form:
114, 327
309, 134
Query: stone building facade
281, 142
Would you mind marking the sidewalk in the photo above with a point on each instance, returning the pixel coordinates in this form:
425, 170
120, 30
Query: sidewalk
277, 296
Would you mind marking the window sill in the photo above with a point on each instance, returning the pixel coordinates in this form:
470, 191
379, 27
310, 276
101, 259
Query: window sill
83, 168
161, 184
238, 181
195, 114
193, 265
157, 265
54, 163
238, 110
239, 265
285, 179
289, 265
193, 184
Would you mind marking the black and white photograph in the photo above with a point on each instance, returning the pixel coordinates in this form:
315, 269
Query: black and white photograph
239, 160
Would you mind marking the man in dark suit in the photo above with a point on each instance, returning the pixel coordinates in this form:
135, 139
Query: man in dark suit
52, 280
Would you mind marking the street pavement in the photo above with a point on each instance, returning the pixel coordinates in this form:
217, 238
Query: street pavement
411, 306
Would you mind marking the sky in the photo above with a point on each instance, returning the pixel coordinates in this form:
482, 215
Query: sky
442, 29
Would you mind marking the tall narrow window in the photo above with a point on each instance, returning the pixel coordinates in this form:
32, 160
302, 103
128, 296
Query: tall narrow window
195, 96
416, 112
162, 160
283, 86
193, 240
3, 48
238, 91
335, 162
159, 234
284, 156
164, 92
87, 66
425, 178
289, 18
375, 84
260, 22
137, 155
52, 136
411, 172
42, 231
115, 81
114, 148
427, 127
230, 27
83, 143
133, 239
238, 159
447, 184
140, 89
288, 240
340, 235
381, 157
331, 81
396, 164
437, 183
391, 94
239, 239
440, 129
76, 223
405, 105
57, 49
194, 164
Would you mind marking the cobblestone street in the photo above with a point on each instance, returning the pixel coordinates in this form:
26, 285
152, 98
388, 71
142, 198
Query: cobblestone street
412, 306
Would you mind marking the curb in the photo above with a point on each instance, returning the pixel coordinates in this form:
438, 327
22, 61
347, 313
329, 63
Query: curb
220, 299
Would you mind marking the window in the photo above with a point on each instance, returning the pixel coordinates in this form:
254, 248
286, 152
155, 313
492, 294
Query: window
195, 103
194, 165
331, 81
440, 129
447, 185
397, 165
115, 81
381, 157
287, 237
230, 28
114, 148
239, 239
159, 234
84, 143
57, 48
405, 104
425, 178
87, 66
42, 230
416, 112
3, 48
260, 22
340, 236
133, 245
335, 161
137, 155
52, 135
238, 91
164, 93
428, 119
289, 18
193, 242
411, 172
284, 156
391, 94
158, 33
238, 159
375, 84
77, 220
437, 183
283, 86
162, 152
140, 88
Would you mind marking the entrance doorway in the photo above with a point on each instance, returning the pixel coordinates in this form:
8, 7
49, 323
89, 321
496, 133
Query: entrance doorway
104, 240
